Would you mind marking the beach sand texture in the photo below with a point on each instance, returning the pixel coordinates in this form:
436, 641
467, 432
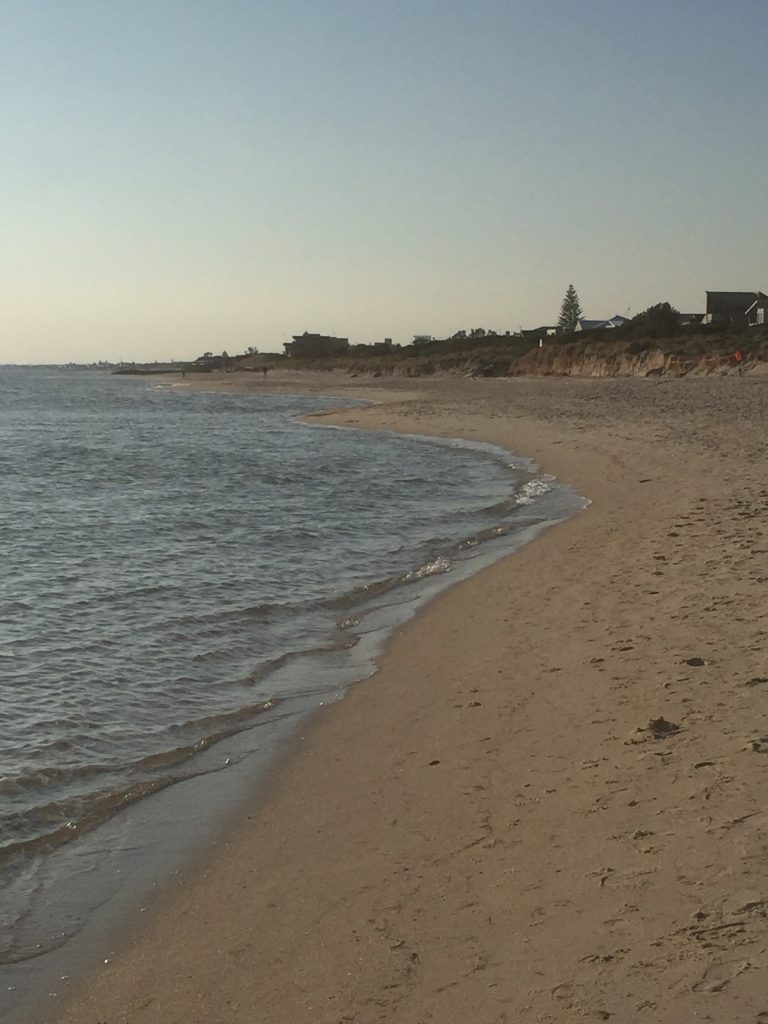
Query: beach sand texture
488, 830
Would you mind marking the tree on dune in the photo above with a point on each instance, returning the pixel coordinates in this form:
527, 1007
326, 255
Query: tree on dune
570, 311
659, 321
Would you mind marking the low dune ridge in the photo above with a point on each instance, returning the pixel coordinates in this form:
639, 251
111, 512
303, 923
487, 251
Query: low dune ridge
547, 805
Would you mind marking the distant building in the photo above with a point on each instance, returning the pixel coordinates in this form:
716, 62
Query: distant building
601, 325
537, 333
316, 346
737, 309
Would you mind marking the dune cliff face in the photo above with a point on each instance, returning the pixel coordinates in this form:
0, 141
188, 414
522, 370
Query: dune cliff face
590, 358
593, 360
565, 362
579, 361
571, 361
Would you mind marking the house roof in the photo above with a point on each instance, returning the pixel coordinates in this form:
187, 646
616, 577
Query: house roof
738, 295
613, 321
735, 300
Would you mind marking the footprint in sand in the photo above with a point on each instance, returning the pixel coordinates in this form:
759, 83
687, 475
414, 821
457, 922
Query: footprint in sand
718, 976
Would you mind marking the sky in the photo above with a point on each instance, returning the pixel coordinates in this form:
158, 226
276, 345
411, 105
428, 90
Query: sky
180, 176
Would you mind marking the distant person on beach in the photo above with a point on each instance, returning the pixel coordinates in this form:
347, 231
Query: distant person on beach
737, 355
264, 370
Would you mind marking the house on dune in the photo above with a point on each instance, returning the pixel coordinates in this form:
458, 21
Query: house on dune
737, 309
316, 346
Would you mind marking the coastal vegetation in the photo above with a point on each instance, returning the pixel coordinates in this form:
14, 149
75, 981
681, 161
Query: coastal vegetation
657, 341
570, 311
652, 342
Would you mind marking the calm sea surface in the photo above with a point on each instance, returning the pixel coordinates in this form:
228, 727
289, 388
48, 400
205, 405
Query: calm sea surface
180, 568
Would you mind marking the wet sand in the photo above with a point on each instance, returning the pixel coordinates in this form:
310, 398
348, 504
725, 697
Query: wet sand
488, 830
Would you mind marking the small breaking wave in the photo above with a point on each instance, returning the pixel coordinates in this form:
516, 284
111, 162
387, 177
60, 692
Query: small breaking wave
533, 489
365, 593
527, 494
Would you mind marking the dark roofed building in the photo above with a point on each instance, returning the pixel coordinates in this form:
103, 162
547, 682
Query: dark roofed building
316, 346
738, 309
538, 333
601, 325
588, 325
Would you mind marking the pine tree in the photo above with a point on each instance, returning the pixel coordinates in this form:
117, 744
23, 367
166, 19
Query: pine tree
570, 311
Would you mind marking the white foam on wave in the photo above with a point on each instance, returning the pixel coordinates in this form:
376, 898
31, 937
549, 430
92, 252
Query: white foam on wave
532, 490
435, 568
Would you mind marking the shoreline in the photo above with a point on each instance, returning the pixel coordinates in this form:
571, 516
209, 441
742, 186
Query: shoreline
61, 963
512, 878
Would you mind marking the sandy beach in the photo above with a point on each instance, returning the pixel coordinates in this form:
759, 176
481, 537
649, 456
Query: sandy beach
547, 805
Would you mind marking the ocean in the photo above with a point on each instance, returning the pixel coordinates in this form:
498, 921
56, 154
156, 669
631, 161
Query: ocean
187, 575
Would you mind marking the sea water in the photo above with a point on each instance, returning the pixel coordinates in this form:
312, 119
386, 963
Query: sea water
184, 576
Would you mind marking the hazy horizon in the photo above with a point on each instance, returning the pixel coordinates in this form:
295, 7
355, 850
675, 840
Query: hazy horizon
189, 176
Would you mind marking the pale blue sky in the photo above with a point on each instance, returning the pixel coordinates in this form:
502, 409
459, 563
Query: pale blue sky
183, 175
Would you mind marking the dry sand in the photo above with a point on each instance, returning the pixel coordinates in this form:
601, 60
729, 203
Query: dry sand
486, 831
